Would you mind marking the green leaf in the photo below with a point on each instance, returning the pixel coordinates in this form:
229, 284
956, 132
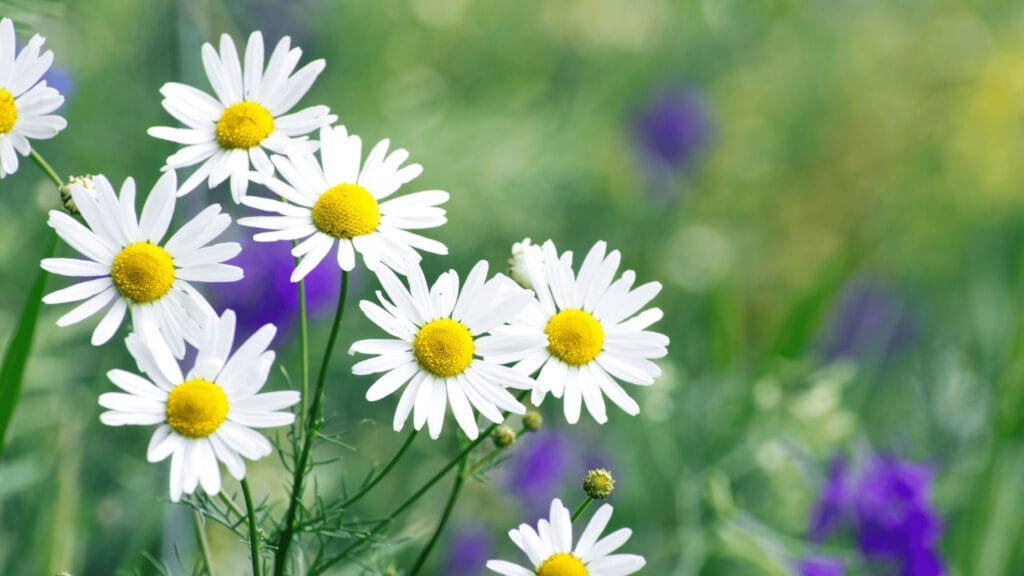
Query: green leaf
12, 371
805, 316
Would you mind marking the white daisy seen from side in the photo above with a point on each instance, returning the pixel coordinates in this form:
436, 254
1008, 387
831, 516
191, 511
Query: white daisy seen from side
551, 551
250, 115
334, 201
26, 102
206, 416
433, 353
129, 266
593, 332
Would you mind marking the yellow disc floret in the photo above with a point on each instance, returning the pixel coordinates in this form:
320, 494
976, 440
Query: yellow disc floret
8, 111
444, 347
244, 125
142, 272
574, 337
562, 564
346, 211
196, 408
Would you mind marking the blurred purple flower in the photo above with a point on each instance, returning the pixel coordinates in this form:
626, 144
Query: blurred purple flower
886, 505
672, 128
469, 550
539, 468
869, 319
821, 566
266, 294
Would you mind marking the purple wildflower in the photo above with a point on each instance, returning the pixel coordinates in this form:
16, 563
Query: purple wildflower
468, 551
887, 507
537, 470
869, 319
672, 128
266, 294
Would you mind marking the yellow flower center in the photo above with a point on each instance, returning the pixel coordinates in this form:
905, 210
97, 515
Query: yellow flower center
574, 337
346, 211
444, 347
8, 111
562, 564
244, 125
142, 272
196, 408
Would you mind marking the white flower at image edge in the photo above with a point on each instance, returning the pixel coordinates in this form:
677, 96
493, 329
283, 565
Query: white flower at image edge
551, 551
249, 115
335, 202
132, 268
592, 329
435, 346
25, 101
206, 416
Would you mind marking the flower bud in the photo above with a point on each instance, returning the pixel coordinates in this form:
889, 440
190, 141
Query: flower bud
526, 257
84, 182
532, 421
598, 483
503, 436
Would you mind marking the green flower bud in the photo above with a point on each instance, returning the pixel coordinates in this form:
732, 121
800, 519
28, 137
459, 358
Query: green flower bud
598, 484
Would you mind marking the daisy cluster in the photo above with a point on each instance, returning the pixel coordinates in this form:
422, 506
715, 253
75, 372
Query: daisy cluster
464, 343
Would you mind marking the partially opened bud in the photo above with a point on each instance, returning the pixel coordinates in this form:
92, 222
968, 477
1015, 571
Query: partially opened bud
527, 261
598, 484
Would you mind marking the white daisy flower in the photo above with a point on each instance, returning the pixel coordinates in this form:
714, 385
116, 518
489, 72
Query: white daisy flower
131, 266
551, 552
206, 416
434, 347
334, 201
228, 133
25, 101
527, 260
592, 332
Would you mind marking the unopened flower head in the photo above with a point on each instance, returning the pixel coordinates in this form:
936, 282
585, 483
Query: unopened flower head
527, 260
130, 265
26, 102
598, 483
503, 436
532, 421
232, 132
592, 332
86, 183
334, 201
438, 333
206, 416
551, 552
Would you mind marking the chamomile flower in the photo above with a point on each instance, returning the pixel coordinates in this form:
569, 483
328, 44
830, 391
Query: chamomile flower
249, 115
592, 330
206, 416
433, 352
551, 551
26, 102
336, 201
131, 267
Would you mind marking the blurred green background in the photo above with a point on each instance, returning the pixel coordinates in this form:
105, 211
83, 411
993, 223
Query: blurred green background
830, 192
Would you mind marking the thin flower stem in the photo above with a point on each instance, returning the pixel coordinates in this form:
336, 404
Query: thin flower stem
304, 347
394, 460
579, 511
377, 528
204, 544
46, 168
231, 504
254, 535
313, 424
460, 479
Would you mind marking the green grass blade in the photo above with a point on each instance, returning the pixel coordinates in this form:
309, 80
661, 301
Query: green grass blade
12, 371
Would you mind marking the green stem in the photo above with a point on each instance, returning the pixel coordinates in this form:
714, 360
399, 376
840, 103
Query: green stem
394, 460
460, 479
254, 536
231, 504
304, 346
412, 499
582, 507
46, 168
204, 545
313, 424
